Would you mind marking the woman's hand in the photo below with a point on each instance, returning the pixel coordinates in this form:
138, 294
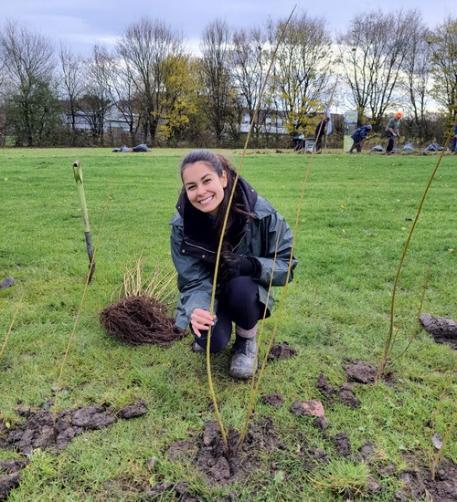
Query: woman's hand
201, 320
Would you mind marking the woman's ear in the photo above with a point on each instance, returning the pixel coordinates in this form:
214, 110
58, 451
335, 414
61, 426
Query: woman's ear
224, 179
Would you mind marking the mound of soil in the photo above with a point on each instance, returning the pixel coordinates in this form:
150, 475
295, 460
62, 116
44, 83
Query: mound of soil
360, 371
140, 320
344, 393
10, 475
179, 491
281, 351
443, 330
275, 400
313, 458
219, 466
342, 444
44, 429
419, 483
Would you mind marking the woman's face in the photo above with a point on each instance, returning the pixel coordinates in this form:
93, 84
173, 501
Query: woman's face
203, 186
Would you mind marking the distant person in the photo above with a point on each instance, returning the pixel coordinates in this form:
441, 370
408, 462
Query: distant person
453, 146
319, 134
359, 136
393, 131
299, 142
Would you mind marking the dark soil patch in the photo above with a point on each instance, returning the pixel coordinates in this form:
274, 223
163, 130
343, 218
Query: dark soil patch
342, 444
320, 423
10, 475
366, 451
275, 400
346, 396
180, 450
281, 351
325, 388
140, 320
360, 371
218, 466
419, 483
134, 410
344, 393
180, 491
44, 429
314, 457
443, 330
7, 483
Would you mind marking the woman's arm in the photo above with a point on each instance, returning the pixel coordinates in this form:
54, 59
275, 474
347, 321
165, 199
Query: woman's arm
276, 233
194, 280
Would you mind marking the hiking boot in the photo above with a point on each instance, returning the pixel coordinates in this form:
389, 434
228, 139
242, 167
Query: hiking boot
243, 364
197, 348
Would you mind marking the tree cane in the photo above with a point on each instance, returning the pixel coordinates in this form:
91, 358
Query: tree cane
77, 171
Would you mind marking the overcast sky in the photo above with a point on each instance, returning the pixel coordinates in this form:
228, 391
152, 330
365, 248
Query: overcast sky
82, 23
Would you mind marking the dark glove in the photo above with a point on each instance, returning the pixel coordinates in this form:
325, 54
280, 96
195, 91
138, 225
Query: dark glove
233, 265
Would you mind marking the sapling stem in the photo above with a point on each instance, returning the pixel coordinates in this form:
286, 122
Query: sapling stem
10, 329
77, 171
418, 328
390, 335
224, 226
255, 385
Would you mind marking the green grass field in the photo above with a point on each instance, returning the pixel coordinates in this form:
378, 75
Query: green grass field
356, 213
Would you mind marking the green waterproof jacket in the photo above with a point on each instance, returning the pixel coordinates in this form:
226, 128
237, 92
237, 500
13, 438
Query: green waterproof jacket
263, 232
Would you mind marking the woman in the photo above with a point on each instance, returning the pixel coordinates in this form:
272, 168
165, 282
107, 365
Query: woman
254, 231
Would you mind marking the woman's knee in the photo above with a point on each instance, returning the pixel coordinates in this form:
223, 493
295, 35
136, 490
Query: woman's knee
241, 300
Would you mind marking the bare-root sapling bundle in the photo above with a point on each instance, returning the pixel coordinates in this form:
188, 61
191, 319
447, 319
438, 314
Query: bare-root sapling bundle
141, 316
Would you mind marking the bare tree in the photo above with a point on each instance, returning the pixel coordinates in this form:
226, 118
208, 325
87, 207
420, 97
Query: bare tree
96, 100
417, 75
443, 43
28, 69
124, 94
302, 70
373, 52
216, 76
145, 47
72, 84
250, 57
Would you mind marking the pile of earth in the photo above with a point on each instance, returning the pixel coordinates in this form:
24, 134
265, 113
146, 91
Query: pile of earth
223, 465
46, 430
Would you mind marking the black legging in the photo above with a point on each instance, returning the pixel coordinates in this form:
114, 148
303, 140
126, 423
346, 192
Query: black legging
390, 143
238, 303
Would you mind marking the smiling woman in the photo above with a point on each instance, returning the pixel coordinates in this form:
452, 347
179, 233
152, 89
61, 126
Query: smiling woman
256, 252
204, 186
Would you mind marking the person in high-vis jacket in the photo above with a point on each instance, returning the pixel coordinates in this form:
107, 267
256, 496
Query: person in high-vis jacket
256, 251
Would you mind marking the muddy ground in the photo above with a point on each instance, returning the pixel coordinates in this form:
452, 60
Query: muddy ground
281, 351
46, 430
221, 465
